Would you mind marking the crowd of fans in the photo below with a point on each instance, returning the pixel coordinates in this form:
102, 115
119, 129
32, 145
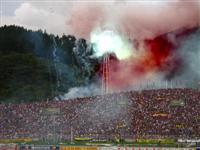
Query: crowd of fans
150, 113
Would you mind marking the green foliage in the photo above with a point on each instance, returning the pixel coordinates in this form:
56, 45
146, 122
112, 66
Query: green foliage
28, 70
23, 78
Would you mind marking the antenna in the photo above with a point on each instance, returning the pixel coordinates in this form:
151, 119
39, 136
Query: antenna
106, 74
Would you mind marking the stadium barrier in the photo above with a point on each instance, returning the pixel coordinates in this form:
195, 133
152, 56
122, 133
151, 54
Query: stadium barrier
62, 147
9, 147
38, 147
19, 140
143, 148
78, 148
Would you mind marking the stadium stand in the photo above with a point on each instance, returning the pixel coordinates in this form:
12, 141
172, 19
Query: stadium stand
153, 114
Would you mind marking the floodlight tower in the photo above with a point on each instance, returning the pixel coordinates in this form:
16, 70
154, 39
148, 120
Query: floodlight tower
105, 74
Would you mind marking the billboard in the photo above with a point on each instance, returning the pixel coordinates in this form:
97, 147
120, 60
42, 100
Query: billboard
51, 111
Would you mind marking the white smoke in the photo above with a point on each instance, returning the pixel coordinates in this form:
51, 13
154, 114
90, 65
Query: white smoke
190, 51
83, 91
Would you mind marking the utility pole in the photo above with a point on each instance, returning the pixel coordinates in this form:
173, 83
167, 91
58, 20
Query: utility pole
72, 135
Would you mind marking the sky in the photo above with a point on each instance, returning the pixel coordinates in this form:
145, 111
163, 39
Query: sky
66, 16
43, 15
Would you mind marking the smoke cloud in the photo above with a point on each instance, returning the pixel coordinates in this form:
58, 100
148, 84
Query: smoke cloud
136, 19
153, 28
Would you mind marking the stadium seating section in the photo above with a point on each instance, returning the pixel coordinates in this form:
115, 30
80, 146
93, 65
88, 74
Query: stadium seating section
148, 114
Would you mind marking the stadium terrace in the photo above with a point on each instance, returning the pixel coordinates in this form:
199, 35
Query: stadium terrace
148, 114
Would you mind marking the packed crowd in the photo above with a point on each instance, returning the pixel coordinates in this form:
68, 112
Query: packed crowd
150, 113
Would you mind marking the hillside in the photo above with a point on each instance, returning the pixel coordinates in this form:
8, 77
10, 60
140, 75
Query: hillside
35, 65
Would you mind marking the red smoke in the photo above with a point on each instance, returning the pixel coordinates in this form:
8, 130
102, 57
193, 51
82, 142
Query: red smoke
158, 56
139, 22
160, 49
